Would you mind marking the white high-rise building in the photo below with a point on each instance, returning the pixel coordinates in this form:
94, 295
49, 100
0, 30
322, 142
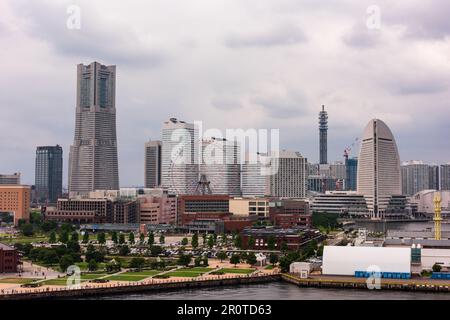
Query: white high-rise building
254, 182
378, 168
415, 177
290, 175
221, 166
180, 157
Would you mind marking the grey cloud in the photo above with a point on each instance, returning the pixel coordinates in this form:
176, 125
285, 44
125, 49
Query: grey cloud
95, 39
285, 35
422, 19
361, 37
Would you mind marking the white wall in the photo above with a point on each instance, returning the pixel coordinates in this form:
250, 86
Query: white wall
347, 260
432, 256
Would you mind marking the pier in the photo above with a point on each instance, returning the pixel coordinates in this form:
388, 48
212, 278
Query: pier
338, 282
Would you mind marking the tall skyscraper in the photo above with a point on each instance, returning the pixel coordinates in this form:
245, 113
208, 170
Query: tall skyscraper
221, 166
378, 168
93, 163
351, 173
49, 173
433, 178
180, 151
152, 164
291, 178
445, 176
323, 136
415, 177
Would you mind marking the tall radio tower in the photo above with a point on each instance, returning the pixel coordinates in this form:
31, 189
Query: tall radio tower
323, 135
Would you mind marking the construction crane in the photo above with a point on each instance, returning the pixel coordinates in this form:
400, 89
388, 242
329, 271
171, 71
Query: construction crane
349, 148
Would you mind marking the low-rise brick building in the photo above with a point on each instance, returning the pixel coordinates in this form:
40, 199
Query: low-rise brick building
9, 259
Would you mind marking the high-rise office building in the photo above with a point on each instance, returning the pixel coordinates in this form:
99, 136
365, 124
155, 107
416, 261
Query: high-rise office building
254, 180
221, 166
445, 176
290, 176
323, 136
433, 178
379, 175
152, 164
48, 173
93, 163
12, 179
180, 152
415, 177
351, 174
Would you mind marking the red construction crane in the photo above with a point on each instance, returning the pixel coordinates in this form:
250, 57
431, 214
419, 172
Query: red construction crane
349, 148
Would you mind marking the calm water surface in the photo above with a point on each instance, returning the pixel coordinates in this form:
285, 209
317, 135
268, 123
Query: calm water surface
278, 291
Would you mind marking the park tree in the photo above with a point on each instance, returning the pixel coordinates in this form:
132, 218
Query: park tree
151, 238
74, 236
273, 258
437, 267
251, 259
271, 243
184, 242
64, 236
184, 260
284, 246
221, 256
141, 238
162, 239
65, 262
131, 238
204, 236
114, 237
211, 241
27, 229
137, 263
235, 259
92, 265
121, 238
85, 237
238, 241
194, 241
124, 250
155, 250
52, 238
251, 242
224, 239
215, 237
101, 238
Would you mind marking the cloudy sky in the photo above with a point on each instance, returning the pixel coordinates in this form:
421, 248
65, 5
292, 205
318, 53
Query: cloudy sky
233, 64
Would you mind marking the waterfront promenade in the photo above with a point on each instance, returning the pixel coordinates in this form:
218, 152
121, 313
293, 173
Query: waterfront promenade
116, 287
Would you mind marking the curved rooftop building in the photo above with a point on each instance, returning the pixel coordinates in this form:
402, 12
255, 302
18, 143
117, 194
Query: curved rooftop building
379, 175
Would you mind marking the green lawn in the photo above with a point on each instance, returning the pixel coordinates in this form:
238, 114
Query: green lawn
237, 270
125, 277
16, 280
84, 265
63, 281
270, 267
189, 272
147, 273
23, 239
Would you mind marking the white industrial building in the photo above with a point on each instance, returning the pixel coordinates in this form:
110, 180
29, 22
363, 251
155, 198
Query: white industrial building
347, 260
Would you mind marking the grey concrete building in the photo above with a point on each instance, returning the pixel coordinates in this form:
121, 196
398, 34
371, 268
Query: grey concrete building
152, 164
12, 179
93, 161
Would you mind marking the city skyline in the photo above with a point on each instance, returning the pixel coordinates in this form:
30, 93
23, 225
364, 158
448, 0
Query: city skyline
371, 83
